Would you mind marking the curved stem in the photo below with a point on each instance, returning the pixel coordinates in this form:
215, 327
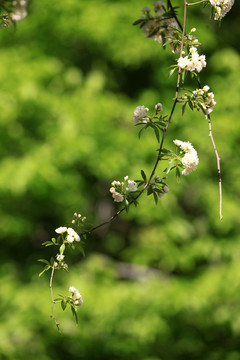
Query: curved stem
218, 166
196, 3
53, 302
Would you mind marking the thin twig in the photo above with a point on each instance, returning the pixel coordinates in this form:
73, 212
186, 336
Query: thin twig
218, 166
217, 157
53, 302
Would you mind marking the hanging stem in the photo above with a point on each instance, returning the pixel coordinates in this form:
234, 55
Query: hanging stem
218, 166
53, 302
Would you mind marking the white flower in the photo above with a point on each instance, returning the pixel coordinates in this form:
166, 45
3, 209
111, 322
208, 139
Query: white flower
206, 88
158, 7
72, 233
73, 290
146, 10
132, 186
114, 183
70, 239
61, 230
157, 179
158, 107
20, 11
60, 257
166, 189
190, 159
149, 28
126, 178
183, 61
76, 296
140, 113
193, 61
117, 197
222, 7
193, 30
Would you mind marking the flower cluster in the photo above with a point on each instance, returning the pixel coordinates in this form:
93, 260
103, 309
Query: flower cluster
20, 10
119, 190
164, 187
76, 296
203, 99
159, 27
60, 262
140, 114
78, 219
222, 7
190, 159
71, 234
192, 61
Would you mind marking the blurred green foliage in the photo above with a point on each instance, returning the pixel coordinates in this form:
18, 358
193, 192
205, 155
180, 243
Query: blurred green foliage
159, 283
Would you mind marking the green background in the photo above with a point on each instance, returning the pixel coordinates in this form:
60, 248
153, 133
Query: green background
160, 283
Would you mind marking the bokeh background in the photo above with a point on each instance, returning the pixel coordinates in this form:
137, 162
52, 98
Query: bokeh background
160, 283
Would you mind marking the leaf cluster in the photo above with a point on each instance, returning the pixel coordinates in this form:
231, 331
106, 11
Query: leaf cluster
158, 126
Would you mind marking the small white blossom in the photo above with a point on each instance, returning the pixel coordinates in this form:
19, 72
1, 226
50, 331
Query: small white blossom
114, 183
222, 7
157, 179
60, 257
126, 178
206, 88
72, 233
193, 61
140, 113
20, 11
117, 197
61, 230
190, 159
76, 296
158, 107
132, 186
146, 10
158, 7
73, 290
70, 239
166, 189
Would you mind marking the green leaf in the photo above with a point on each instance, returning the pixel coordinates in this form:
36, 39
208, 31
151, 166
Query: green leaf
184, 108
149, 190
190, 104
47, 243
44, 261
165, 151
62, 248
155, 198
139, 21
140, 132
63, 304
172, 71
47, 267
157, 134
74, 312
143, 175
178, 174
171, 165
